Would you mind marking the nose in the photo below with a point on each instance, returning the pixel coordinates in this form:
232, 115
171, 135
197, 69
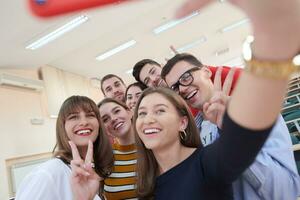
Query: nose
115, 91
153, 80
182, 90
149, 119
83, 121
113, 119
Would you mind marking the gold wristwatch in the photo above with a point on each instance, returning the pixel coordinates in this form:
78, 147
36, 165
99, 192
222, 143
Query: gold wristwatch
269, 69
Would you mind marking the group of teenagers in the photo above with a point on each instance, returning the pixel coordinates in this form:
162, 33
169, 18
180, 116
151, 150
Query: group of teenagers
184, 130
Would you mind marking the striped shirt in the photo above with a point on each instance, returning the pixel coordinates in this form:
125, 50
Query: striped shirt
121, 183
209, 132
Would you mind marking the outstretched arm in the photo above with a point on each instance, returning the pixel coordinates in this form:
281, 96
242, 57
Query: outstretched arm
276, 31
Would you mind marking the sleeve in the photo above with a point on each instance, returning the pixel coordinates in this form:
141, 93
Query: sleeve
273, 174
226, 159
37, 186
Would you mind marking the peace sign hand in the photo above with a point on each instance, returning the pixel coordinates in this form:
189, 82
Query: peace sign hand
214, 109
84, 180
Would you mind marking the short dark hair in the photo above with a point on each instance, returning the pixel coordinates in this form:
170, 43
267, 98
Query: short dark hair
108, 76
136, 84
179, 57
139, 66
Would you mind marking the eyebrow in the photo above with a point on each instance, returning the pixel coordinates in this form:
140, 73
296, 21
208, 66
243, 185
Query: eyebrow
107, 87
115, 108
157, 105
149, 72
73, 113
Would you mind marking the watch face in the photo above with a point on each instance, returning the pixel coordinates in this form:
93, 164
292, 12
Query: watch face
47, 8
247, 52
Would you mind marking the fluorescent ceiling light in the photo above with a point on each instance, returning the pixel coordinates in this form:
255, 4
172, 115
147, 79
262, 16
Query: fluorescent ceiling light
129, 71
222, 51
58, 32
116, 50
296, 60
235, 25
191, 45
235, 62
173, 23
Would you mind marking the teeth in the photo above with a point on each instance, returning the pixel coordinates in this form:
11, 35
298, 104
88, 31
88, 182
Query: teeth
81, 132
118, 125
150, 131
159, 82
191, 95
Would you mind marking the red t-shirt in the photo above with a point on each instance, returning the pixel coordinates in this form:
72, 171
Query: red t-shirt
225, 71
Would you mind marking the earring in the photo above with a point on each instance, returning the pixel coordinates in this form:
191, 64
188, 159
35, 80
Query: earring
183, 135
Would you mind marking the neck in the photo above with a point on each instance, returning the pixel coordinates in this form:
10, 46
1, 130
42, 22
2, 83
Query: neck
82, 151
172, 156
128, 138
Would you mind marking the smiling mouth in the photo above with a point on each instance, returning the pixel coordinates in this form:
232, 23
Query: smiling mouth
85, 132
191, 95
151, 131
118, 125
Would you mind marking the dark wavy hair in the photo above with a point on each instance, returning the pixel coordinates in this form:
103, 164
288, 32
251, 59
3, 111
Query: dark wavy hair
177, 58
139, 66
135, 84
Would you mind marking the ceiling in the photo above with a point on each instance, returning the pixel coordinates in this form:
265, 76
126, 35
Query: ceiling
111, 26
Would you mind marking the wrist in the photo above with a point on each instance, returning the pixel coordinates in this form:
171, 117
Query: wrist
276, 45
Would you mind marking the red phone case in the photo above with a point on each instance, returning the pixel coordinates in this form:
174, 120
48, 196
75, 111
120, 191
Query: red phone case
47, 8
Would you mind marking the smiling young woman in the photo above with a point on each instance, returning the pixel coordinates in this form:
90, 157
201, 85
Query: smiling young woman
117, 120
78, 121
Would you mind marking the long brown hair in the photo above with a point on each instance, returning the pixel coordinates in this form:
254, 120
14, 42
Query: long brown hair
103, 156
111, 100
146, 160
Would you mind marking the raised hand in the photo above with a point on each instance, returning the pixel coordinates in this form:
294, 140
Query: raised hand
85, 181
214, 109
272, 21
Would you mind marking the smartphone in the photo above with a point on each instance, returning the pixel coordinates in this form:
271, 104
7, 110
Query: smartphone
48, 8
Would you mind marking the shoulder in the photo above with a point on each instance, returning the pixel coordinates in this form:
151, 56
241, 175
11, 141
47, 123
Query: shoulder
50, 170
47, 181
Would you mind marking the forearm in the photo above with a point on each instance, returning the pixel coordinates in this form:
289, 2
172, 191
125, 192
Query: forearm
256, 101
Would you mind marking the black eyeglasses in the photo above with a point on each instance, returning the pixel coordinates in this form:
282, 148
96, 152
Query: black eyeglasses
185, 79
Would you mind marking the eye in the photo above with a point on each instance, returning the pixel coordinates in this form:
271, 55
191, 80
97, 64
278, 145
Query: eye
146, 81
185, 77
105, 119
129, 97
152, 72
117, 84
174, 87
108, 89
72, 117
160, 111
142, 114
91, 115
116, 111
138, 95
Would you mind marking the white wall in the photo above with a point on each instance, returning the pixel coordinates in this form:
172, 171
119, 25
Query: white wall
18, 136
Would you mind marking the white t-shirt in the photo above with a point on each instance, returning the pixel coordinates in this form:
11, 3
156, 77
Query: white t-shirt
49, 181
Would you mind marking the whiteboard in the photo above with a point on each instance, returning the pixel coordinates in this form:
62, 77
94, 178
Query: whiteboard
19, 171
